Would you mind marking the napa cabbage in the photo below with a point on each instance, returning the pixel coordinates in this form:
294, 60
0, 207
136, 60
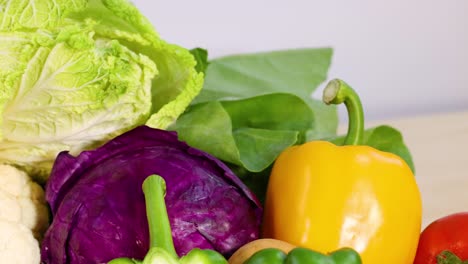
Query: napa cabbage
76, 73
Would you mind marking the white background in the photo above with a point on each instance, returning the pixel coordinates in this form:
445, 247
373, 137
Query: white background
403, 57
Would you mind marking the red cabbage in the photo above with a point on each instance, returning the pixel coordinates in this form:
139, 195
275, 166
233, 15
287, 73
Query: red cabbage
98, 205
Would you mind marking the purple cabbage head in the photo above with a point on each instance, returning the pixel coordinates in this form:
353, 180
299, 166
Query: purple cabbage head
98, 205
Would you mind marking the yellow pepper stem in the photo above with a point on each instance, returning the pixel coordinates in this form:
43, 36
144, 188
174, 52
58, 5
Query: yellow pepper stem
337, 92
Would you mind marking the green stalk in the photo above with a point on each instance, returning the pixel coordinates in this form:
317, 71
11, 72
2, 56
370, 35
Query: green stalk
337, 92
447, 257
154, 188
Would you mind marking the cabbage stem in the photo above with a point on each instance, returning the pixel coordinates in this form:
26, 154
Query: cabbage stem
154, 188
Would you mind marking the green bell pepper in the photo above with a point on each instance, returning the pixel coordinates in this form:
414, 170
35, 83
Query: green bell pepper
304, 256
162, 249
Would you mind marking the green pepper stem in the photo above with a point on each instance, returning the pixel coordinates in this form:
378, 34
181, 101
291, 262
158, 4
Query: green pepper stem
154, 188
337, 92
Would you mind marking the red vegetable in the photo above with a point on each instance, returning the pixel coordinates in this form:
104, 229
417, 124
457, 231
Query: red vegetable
449, 233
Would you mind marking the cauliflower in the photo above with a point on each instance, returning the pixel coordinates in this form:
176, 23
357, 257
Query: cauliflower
24, 217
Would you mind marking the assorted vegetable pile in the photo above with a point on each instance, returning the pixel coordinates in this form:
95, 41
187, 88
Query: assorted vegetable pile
119, 147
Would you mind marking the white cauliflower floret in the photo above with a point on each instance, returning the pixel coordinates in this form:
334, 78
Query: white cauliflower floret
23, 217
17, 244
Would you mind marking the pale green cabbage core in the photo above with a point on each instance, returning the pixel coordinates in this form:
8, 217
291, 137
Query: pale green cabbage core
74, 74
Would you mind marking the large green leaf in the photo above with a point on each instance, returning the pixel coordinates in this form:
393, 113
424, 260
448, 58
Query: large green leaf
248, 132
207, 126
259, 147
298, 72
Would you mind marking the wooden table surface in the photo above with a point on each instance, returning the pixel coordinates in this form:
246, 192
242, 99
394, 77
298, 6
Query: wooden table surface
439, 146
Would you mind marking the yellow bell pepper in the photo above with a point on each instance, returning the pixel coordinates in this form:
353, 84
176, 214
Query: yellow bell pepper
322, 196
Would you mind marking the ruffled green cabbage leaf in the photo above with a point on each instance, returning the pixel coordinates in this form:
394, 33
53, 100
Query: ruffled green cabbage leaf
76, 73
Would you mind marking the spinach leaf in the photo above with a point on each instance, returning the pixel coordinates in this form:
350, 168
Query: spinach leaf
201, 57
325, 120
249, 132
208, 127
259, 147
277, 111
297, 71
